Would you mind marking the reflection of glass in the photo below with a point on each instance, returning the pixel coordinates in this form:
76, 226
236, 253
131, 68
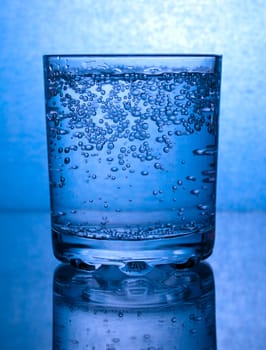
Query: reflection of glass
132, 146
106, 309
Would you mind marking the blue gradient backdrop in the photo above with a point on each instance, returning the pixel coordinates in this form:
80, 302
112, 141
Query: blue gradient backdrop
236, 29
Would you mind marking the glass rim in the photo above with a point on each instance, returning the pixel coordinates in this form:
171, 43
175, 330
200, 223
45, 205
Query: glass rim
140, 55
151, 64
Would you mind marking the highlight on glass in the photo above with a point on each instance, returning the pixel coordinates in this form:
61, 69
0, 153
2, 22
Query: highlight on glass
132, 151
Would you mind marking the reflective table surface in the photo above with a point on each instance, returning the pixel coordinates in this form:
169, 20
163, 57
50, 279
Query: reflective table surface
47, 305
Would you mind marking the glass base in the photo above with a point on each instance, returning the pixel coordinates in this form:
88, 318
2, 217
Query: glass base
86, 253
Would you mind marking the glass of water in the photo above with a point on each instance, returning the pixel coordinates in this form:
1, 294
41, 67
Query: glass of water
132, 150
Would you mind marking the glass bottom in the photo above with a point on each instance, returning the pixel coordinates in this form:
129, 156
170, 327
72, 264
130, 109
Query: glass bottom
87, 253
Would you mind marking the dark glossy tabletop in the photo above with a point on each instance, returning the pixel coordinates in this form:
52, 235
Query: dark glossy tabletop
27, 271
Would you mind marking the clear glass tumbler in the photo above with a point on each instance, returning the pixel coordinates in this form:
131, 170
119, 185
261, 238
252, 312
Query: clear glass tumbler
132, 149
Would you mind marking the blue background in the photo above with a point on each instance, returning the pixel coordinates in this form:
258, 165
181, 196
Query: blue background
235, 29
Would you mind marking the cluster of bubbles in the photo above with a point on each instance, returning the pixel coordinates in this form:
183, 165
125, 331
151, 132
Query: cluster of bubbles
130, 123
102, 112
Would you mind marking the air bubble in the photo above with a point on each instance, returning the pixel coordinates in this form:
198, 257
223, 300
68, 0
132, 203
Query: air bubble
62, 132
67, 160
60, 213
179, 97
157, 166
179, 182
204, 152
144, 173
99, 146
191, 178
193, 317
195, 192
110, 145
202, 207
87, 148
209, 179
159, 139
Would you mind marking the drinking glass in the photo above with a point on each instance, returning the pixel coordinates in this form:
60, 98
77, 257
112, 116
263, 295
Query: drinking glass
132, 150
